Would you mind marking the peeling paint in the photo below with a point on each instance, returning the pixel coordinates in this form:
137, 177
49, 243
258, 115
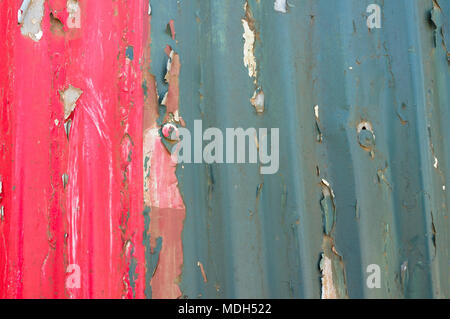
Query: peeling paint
70, 97
161, 194
250, 36
328, 289
436, 163
331, 264
65, 180
67, 126
258, 101
171, 99
171, 27
32, 19
280, 6
166, 217
328, 207
319, 137
334, 285
249, 43
203, 232
21, 12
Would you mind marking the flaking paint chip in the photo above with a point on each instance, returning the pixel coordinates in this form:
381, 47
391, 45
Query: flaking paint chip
249, 43
258, 101
70, 97
65, 180
316, 113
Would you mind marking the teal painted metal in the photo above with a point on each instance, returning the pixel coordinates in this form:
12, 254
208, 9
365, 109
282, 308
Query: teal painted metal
380, 144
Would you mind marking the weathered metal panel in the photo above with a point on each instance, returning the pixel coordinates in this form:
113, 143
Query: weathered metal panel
363, 155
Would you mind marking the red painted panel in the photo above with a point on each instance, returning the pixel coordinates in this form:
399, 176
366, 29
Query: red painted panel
95, 221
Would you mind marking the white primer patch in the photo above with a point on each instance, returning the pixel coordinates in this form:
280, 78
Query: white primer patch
280, 6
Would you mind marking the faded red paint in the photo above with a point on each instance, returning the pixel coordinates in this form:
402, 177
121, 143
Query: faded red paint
172, 29
96, 221
161, 194
166, 218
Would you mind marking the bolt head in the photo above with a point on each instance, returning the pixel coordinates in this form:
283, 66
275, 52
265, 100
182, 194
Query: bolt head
366, 139
170, 132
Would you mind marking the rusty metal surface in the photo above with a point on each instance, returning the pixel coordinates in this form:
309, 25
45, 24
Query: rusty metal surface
363, 149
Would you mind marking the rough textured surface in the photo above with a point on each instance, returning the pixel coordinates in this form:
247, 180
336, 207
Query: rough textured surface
364, 149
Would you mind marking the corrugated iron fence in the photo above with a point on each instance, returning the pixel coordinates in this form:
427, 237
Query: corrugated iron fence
92, 206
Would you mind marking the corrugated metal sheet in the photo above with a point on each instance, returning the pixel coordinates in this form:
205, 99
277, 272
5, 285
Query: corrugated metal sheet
362, 178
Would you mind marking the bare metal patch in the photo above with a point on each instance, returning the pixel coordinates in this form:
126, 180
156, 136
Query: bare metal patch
328, 288
31, 18
249, 56
250, 35
258, 101
280, 6
70, 97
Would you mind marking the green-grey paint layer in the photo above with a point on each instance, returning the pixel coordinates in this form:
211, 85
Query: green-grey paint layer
262, 236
